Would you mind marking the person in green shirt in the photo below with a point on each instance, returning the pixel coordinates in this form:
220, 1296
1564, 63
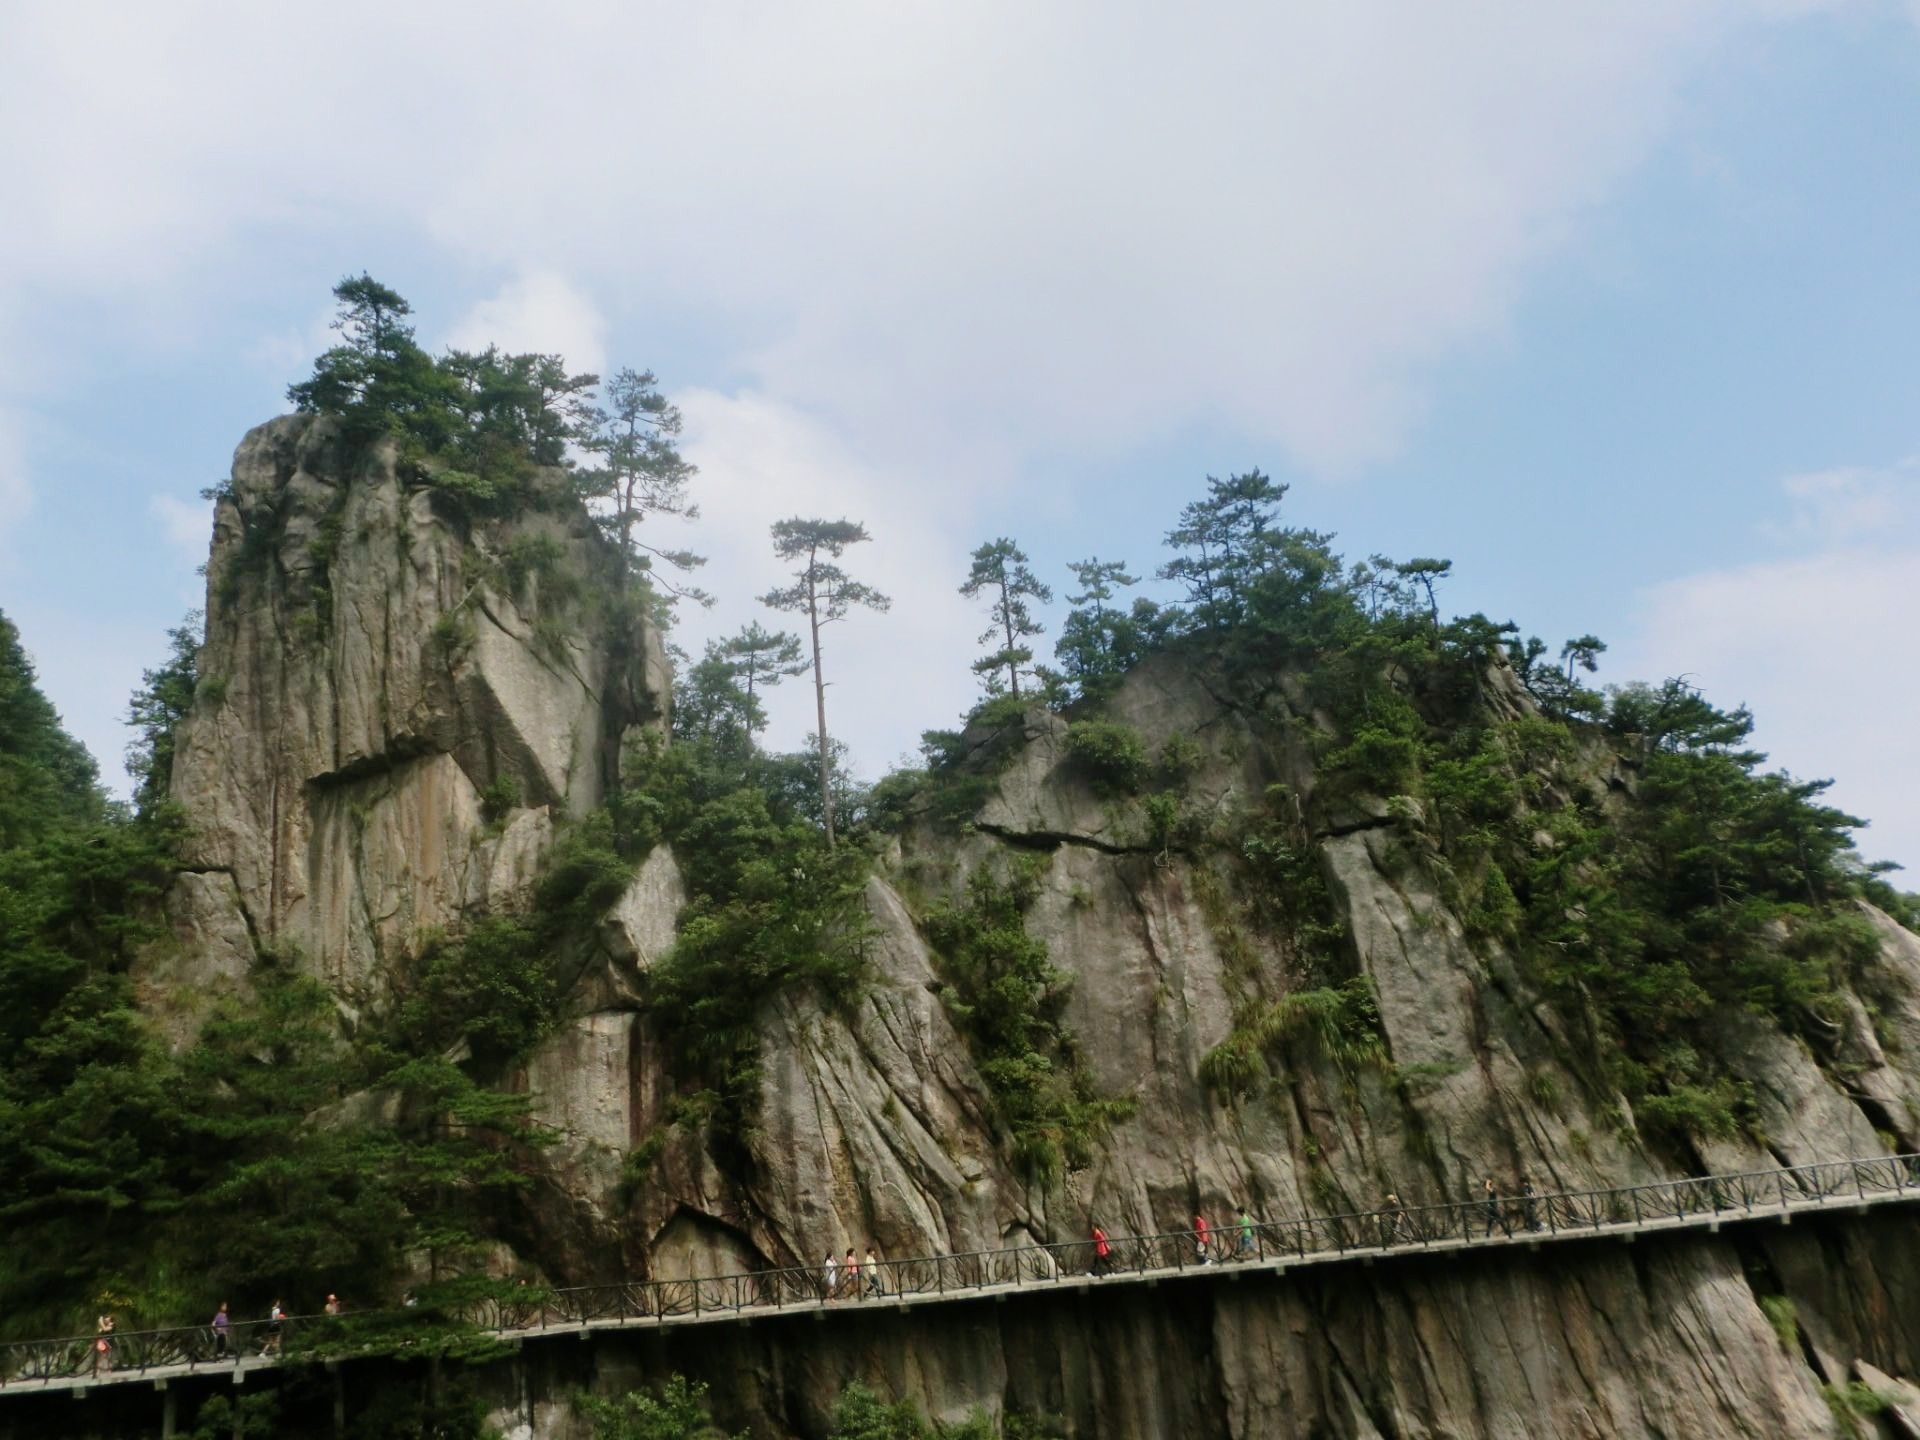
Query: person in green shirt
1246, 1232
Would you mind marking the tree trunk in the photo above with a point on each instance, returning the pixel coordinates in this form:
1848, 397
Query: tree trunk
820, 707
1006, 618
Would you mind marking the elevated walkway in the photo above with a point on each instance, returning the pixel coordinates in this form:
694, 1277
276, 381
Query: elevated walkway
1705, 1204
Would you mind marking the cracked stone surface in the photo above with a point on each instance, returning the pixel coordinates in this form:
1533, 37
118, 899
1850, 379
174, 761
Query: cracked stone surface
390, 772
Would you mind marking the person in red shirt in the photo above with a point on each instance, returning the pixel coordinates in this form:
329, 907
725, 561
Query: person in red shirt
1200, 1237
1102, 1252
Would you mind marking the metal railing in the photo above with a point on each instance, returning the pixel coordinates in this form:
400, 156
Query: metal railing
1703, 1201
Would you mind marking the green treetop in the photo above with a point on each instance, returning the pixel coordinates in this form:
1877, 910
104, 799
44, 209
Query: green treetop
1099, 642
47, 779
823, 592
1002, 574
1222, 544
640, 472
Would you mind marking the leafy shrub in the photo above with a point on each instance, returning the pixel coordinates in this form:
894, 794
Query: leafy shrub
676, 1411
501, 795
1180, 756
1112, 756
860, 1414
1783, 1318
1709, 1111
1006, 996
1234, 1067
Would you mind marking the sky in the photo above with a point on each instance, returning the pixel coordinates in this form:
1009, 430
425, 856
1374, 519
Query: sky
1612, 302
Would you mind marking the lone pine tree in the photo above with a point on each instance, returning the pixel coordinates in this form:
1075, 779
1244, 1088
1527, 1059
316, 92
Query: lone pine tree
1001, 572
824, 593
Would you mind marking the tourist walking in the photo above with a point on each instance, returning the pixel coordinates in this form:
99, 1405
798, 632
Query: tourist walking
276, 1326
1390, 1220
1102, 1253
874, 1287
222, 1324
103, 1344
830, 1278
1200, 1238
1530, 1202
1496, 1214
850, 1276
1246, 1232
332, 1307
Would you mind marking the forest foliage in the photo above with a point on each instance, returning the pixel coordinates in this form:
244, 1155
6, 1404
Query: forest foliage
1627, 848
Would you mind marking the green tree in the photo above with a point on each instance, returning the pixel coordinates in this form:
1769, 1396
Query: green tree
1426, 573
1584, 651
711, 702
1222, 544
163, 700
824, 593
677, 1411
1001, 573
473, 426
763, 658
640, 472
47, 779
1099, 642
860, 1414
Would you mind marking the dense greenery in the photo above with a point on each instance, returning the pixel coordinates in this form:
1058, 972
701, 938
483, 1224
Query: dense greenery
1628, 848
474, 426
1007, 997
679, 1410
1004, 577
47, 778
157, 1182
676, 1411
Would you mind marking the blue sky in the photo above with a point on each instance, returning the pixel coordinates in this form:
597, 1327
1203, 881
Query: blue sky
1614, 304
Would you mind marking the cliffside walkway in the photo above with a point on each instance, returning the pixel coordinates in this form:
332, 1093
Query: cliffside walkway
153, 1357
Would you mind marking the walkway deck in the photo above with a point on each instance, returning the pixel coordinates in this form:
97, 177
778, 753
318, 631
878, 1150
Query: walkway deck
1706, 1204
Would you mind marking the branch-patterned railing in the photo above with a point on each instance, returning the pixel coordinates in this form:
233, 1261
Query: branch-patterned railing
1666, 1204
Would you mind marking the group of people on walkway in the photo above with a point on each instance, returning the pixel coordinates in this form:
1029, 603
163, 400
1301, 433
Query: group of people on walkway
848, 1279
1240, 1239
272, 1332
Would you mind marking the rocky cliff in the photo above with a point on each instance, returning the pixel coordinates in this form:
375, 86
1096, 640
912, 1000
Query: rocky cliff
404, 706
396, 703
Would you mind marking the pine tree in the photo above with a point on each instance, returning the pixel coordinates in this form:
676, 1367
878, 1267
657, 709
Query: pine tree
1001, 572
1099, 643
640, 473
824, 593
1221, 545
47, 779
155, 712
763, 658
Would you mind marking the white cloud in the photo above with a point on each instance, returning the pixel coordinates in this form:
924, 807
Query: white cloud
184, 524
539, 312
16, 490
1853, 502
1085, 223
889, 675
1817, 644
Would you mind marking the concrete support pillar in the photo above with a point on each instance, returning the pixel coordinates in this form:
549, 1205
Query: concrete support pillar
169, 1413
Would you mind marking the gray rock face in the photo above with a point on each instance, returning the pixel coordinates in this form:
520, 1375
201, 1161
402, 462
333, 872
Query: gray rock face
372, 669
399, 767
